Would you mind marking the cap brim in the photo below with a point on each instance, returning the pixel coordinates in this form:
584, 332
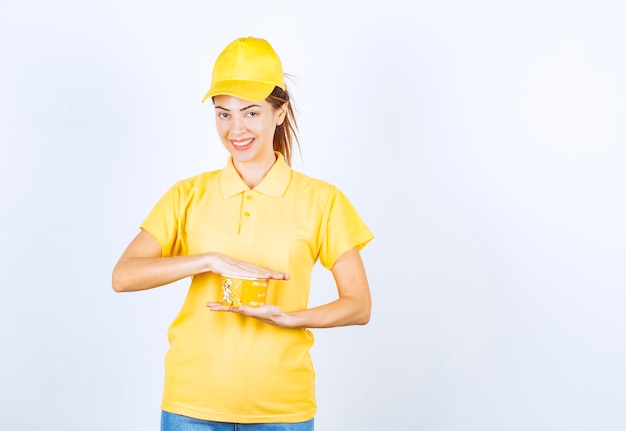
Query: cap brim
248, 90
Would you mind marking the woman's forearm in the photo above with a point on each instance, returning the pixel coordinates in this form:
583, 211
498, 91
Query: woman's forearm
343, 311
141, 266
140, 273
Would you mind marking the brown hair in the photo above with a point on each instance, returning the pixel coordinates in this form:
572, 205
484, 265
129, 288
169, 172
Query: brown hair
286, 133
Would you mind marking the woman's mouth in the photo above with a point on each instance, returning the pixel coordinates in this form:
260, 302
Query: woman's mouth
242, 144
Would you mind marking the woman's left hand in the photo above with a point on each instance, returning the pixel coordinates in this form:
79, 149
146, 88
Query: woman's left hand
271, 314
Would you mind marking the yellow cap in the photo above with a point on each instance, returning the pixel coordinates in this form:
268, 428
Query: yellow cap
247, 68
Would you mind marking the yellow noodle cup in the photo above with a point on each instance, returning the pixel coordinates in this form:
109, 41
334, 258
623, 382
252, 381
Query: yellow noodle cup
238, 291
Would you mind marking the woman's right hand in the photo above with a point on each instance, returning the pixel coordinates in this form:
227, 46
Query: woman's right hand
222, 264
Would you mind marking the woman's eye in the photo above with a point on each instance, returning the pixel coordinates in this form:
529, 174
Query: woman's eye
252, 114
222, 115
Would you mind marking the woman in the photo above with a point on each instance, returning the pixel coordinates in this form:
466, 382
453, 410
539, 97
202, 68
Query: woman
248, 367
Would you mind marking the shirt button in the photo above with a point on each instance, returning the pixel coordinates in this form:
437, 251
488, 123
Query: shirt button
249, 197
247, 214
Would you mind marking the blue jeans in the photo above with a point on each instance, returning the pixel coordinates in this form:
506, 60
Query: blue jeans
173, 422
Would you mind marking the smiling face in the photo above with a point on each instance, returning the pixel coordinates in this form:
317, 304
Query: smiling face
247, 130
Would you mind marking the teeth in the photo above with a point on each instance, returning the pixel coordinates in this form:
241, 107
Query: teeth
241, 144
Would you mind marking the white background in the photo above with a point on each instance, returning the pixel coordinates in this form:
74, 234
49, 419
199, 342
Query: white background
483, 143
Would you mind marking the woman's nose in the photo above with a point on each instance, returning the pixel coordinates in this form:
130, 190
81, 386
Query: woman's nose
238, 125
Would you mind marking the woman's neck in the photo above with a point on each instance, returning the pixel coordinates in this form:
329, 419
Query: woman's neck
253, 172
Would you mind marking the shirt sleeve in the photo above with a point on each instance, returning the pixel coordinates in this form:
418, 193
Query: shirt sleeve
165, 222
344, 230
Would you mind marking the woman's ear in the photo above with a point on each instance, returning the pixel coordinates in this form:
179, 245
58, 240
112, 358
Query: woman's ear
281, 113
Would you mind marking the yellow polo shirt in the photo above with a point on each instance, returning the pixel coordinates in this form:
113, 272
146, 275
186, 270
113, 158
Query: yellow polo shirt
231, 368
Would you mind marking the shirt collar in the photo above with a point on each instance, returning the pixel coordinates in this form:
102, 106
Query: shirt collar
274, 183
